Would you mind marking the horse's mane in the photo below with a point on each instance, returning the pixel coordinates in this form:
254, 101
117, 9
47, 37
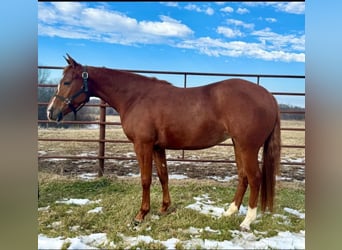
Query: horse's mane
160, 81
151, 79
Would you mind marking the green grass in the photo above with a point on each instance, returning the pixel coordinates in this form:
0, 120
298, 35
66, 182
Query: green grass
120, 201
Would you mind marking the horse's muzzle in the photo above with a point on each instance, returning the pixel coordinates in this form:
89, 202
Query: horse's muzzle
54, 116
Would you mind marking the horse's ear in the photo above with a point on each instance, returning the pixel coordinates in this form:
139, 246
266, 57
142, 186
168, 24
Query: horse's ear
70, 61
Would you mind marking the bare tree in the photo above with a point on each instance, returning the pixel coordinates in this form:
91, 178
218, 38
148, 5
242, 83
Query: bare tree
43, 75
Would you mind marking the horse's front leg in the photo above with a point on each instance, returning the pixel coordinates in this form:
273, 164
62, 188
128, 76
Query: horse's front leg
160, 161
144, 156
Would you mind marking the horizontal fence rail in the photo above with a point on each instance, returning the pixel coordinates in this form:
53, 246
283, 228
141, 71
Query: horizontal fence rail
102, 123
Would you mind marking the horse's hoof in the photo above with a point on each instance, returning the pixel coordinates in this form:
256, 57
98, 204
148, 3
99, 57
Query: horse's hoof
166, 211
162, 212
244, 228
136, 222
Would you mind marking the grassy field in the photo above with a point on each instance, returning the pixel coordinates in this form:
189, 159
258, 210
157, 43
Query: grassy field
119, 200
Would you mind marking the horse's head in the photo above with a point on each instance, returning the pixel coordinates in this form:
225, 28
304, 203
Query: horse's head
72, 91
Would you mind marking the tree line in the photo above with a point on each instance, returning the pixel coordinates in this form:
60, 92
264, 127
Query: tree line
291, 116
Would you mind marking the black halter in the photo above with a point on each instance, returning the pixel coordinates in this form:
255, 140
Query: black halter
83, 90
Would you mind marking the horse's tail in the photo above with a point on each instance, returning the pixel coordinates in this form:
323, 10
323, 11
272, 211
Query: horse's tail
270, 167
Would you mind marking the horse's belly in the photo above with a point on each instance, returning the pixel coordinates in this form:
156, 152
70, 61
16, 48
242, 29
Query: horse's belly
191, 140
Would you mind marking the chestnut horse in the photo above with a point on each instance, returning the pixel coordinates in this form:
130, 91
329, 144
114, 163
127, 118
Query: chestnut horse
156, 115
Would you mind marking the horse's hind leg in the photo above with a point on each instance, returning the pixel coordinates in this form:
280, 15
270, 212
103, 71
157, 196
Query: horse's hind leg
242, 184
160, 161
253, 173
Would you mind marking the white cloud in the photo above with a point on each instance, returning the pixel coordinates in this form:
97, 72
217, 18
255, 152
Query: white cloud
280, 41
271, 19
76, 21
107, 21
288, 7
240, 23
227, 9
70, 8
292, 7
170, 4
168, 27
217, 47
242, 11
193, 7
209, 11
228, 32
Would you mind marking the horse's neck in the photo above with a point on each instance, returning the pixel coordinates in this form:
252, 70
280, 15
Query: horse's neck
115, 87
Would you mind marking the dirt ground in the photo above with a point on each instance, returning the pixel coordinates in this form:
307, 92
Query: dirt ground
194, 170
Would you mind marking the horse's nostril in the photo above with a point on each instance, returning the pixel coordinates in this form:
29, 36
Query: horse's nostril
49, 113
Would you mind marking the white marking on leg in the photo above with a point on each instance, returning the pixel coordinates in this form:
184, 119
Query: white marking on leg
231, 210
250, 217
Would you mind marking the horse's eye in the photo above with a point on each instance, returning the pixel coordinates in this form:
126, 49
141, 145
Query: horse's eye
66, 83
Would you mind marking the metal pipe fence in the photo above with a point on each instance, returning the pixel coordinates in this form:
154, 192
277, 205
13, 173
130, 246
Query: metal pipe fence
102, 123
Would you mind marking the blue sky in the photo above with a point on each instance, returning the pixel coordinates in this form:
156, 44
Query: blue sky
218, 37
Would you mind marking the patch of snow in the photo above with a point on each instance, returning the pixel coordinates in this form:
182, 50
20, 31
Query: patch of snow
130, 154
171, 243
194, 230
177, 176
211, 244
44, 208
204, 205
88, 242
56, 224
45, 242
77, 201
95, 210
54, 159
80, 242
88, 176
93, 126
155, 217
280, 178
92, 153
225, 179
133, 175
74, 201
135, 240
295, 212
74, 228
84, 161
296, 160
284, 240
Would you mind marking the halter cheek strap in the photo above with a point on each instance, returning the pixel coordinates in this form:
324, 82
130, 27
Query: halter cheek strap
83, 90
